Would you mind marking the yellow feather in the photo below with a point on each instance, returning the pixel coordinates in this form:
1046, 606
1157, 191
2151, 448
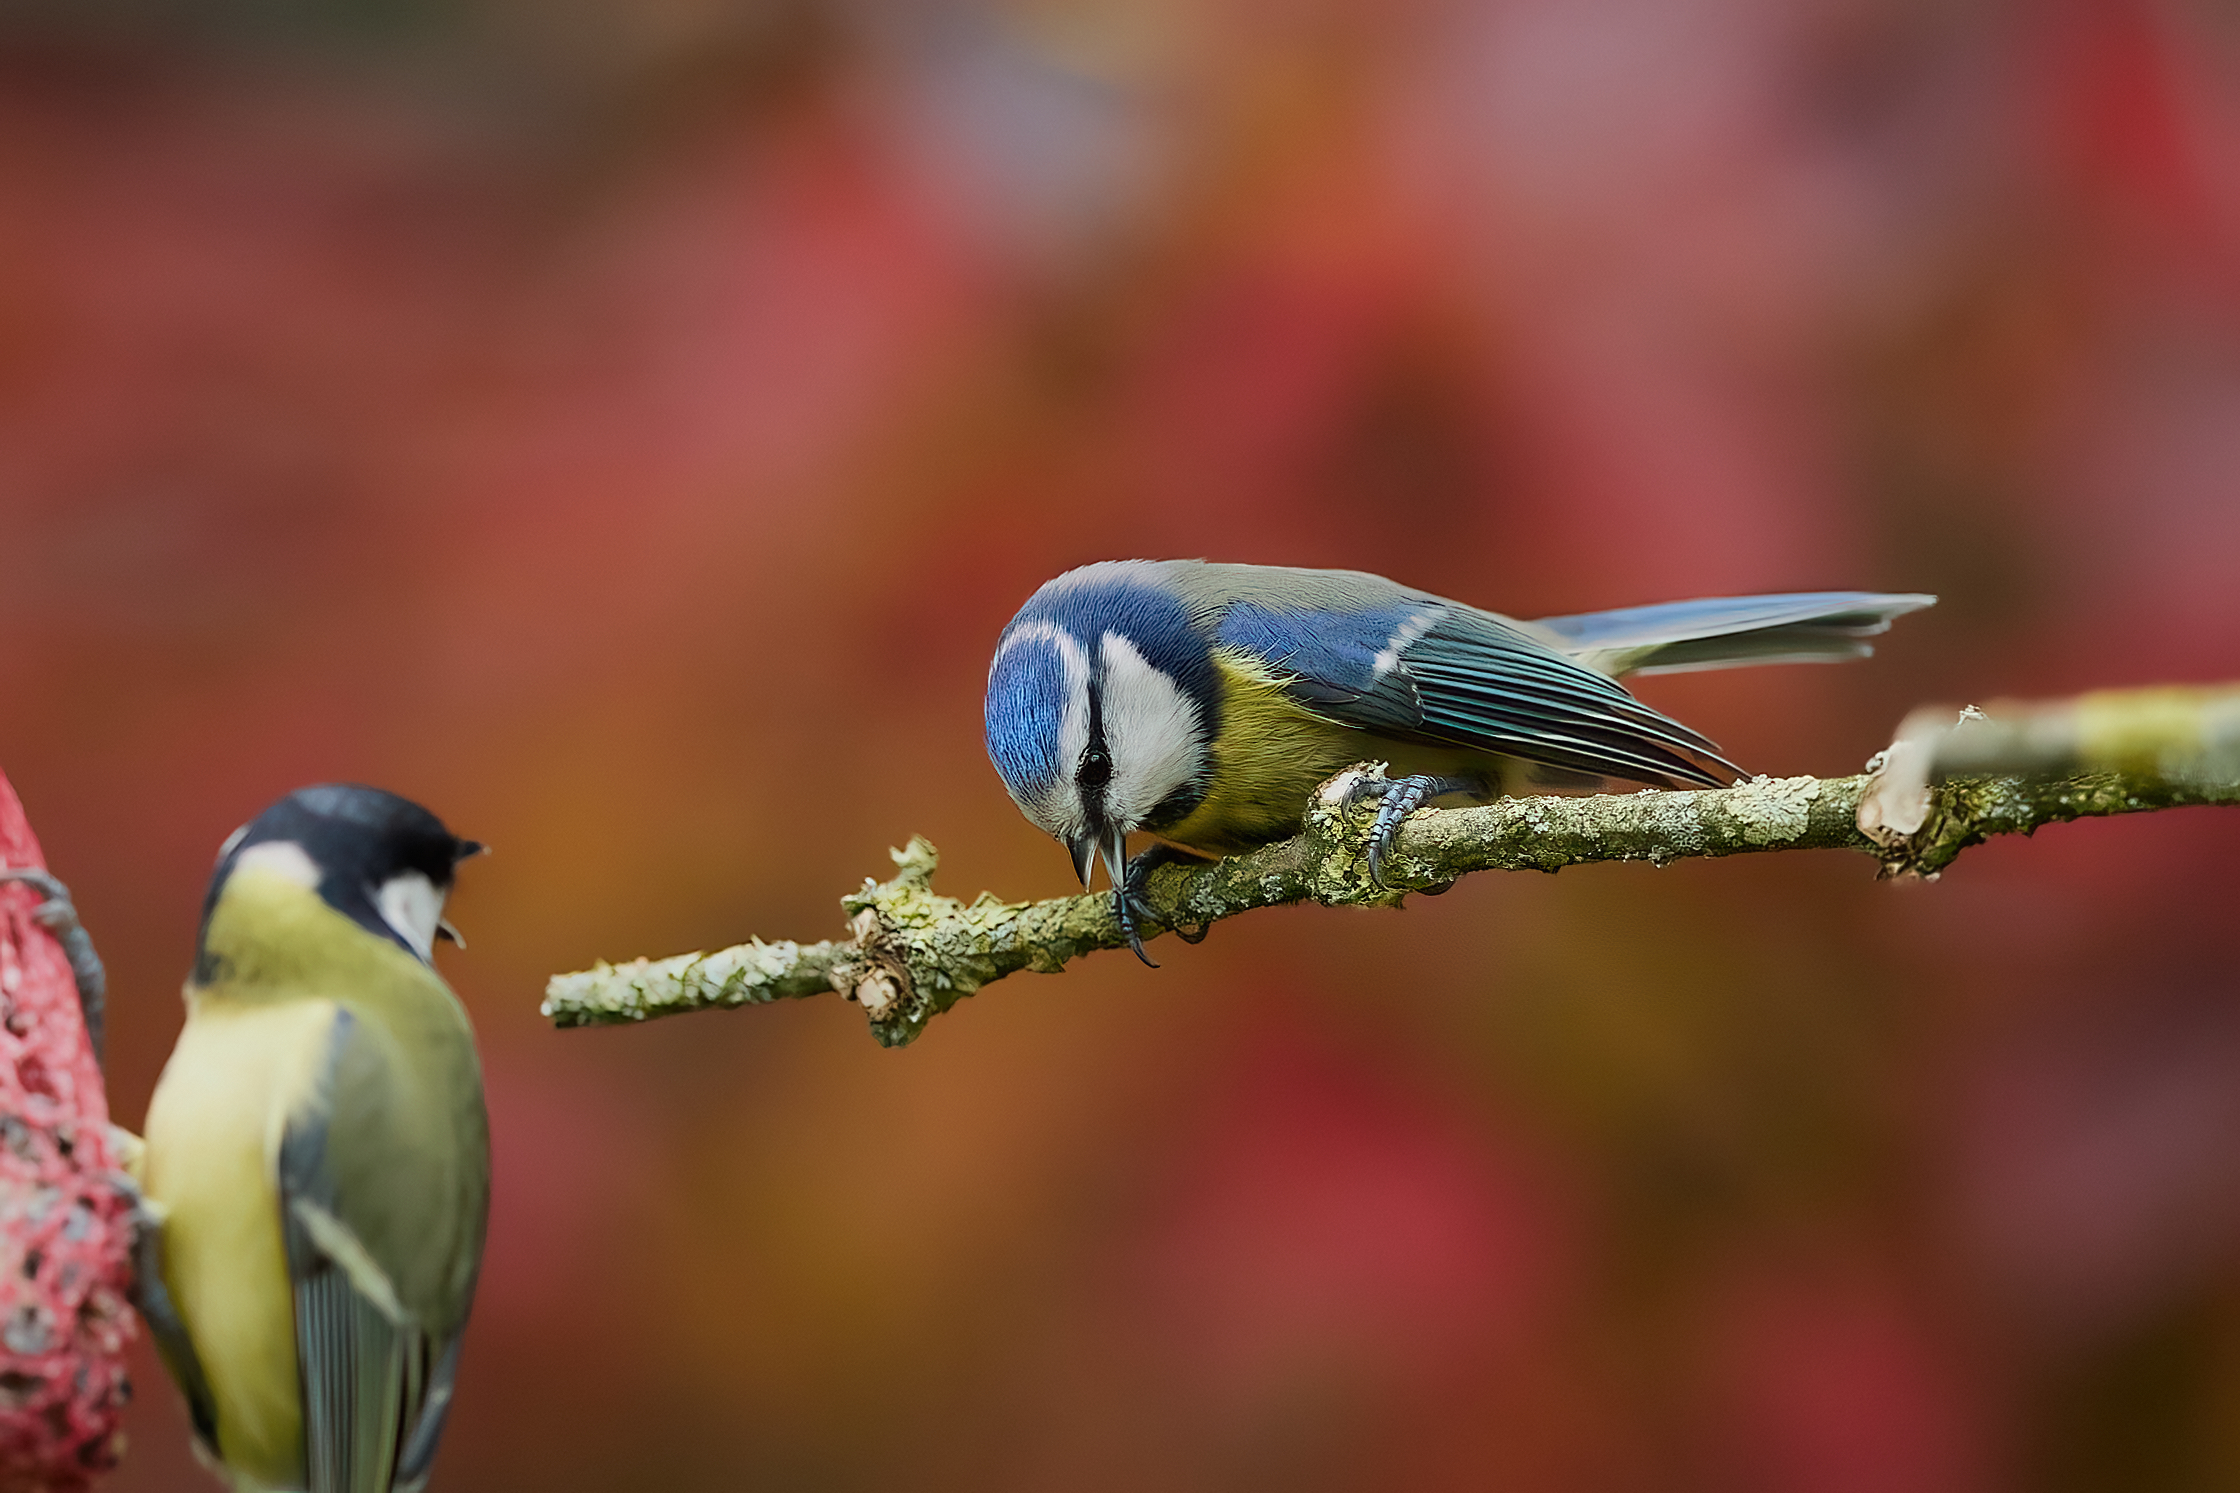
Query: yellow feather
214, 1126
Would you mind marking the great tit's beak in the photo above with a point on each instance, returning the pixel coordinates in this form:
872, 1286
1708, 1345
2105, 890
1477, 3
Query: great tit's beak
445, 930
1084, 848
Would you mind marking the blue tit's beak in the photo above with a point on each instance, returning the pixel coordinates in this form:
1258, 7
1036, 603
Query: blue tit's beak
1084, 848
1115, 852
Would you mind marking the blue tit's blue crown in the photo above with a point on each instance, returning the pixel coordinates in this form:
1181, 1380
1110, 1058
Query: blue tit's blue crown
1026, 706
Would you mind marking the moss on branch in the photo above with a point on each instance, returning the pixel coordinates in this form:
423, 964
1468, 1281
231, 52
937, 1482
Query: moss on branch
913, 953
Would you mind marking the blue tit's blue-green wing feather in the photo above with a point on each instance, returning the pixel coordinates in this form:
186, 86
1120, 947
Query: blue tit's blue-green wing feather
1485, 684
1328, 660
1415, 668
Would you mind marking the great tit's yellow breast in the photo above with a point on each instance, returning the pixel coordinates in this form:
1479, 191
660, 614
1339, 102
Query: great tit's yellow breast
213, 1134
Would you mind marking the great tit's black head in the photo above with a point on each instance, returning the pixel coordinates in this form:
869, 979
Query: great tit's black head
380, 860
1103, 702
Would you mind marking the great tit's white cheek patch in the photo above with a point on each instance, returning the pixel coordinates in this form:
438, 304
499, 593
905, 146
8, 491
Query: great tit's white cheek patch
412, 904
283, 858
1151, 730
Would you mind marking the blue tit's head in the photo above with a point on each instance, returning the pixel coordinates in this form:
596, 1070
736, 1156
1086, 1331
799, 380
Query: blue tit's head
1103, 702
382, 861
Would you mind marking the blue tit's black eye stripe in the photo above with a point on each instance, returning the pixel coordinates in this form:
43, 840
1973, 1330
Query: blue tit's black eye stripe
1093, 773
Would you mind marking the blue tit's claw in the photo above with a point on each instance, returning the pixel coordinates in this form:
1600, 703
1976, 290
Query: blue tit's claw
1397, 798
1124, 909
59, 916
1139, 882
1365, 784
1132, 904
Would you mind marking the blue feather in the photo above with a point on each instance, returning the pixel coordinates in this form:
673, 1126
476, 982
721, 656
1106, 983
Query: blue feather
1026, 703
1724, 631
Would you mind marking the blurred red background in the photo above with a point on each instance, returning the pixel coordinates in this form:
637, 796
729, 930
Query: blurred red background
625, 428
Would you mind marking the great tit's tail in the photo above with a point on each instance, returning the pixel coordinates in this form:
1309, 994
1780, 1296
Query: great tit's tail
1721, 632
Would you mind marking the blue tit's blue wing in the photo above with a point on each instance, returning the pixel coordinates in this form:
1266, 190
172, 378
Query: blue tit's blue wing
1333, 660
1423, 670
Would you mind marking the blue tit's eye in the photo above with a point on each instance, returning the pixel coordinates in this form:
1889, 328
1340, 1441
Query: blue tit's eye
1096, 768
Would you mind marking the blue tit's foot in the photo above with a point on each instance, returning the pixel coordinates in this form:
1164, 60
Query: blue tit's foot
1124, 912
59, 916
1138, 881
1397, 798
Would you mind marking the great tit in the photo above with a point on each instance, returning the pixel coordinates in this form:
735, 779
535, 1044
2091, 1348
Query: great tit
317, 1168
1203, 703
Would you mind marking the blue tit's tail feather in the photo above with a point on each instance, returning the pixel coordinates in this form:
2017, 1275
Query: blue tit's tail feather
1721, 632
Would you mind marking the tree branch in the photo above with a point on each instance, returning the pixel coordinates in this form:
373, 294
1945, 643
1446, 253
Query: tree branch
913, 953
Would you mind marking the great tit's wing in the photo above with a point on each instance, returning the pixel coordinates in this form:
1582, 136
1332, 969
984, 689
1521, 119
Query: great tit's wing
435, 1411
376, 1370
1414, 667
1720, 632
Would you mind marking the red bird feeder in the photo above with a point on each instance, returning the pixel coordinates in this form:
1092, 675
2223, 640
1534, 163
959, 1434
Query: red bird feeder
65, 1222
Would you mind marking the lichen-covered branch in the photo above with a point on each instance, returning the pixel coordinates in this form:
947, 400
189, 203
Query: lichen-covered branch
913, 953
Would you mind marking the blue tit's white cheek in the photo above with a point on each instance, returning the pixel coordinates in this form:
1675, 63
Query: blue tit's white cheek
1052, 800
412, 905
1151, 731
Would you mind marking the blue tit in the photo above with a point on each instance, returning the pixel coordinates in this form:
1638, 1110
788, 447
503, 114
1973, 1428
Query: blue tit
317, 1164
1203, 703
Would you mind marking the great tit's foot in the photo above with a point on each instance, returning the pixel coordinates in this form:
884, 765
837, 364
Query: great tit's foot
1397, 798
59, 915
1139, 881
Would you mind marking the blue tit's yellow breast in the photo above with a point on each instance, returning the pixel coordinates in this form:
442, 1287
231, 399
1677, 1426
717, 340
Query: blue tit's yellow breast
1269, 756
